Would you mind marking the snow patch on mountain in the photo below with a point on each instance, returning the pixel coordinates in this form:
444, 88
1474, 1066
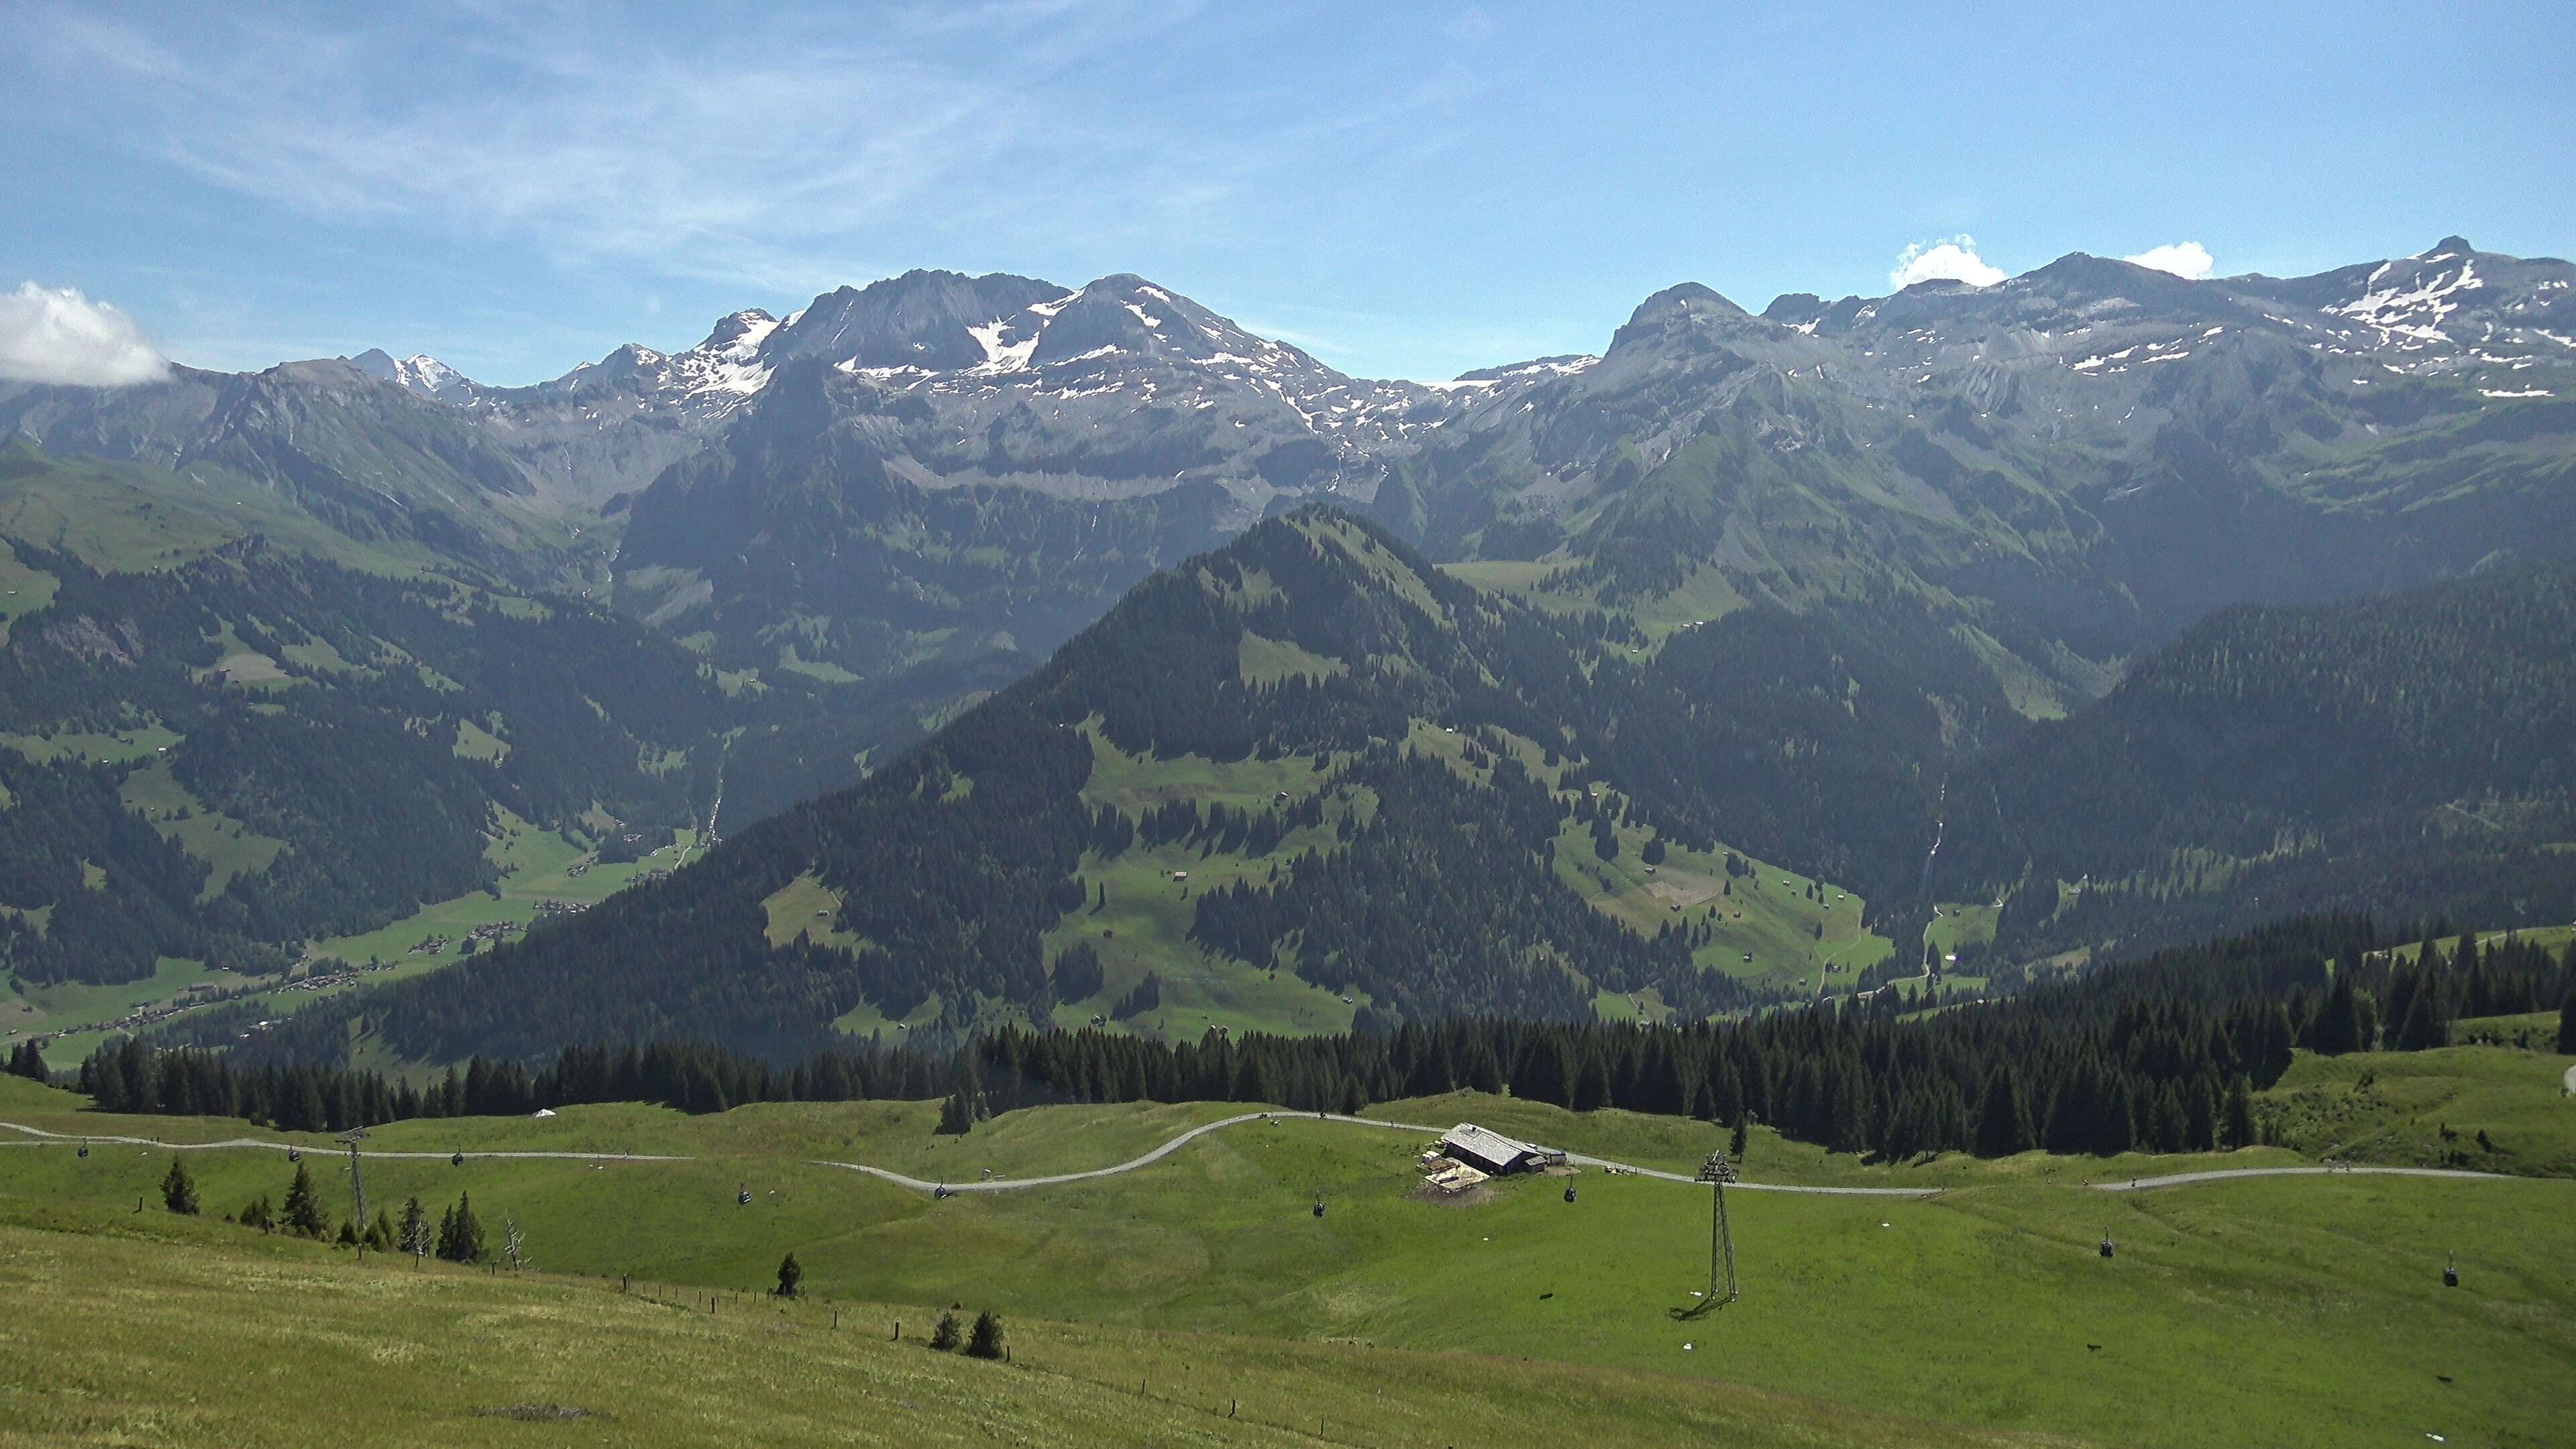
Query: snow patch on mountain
420, 372
2413, 311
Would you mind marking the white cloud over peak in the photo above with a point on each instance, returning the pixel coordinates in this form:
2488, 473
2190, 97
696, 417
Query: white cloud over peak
2188, 260
1944, 259
58, 336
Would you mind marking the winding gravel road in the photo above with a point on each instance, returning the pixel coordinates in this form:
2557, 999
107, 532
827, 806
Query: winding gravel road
1017, 1184
58, 1139
42, 1138
2186, 1179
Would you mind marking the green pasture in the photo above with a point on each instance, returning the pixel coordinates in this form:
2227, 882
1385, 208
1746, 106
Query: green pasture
2426, 1109
227, 846
2267, 1311
1962, 924
28, 1010
1702, 597
112, 1347
537, 866
119, 747
23, 588
1145, 924
2554, 938
1766, 912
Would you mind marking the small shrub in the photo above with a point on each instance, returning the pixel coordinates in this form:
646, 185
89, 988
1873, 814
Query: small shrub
944, 1335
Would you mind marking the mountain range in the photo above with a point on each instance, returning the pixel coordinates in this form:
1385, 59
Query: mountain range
1791, 589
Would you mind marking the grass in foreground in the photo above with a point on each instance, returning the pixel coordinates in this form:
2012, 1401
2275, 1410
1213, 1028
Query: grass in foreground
2273, 1312
114, 1341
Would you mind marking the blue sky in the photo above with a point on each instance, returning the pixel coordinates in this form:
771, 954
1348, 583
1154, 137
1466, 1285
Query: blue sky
1405, 190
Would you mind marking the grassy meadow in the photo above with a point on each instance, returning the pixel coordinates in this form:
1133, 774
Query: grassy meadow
2273, 1311
321, 1348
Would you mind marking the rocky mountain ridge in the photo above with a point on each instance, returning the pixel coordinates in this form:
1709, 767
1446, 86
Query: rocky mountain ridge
2074, 463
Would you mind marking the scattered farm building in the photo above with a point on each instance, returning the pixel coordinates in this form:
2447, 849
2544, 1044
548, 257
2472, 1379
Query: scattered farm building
1494, 1154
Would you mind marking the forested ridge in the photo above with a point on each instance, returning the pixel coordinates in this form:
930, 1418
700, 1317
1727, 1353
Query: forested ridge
1434, 896
328, 711
1420, 878
2156, 1054
2410, 753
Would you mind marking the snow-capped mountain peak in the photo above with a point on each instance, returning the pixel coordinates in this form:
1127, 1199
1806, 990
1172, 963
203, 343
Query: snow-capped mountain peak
737, 338
419, 372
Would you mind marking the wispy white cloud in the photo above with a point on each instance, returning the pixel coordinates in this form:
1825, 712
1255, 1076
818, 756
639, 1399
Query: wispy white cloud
1944, 259
740, 164
2188, 259
777, 156
56, 335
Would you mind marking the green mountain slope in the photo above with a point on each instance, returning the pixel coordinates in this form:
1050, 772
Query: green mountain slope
255, 747
2410, 755
228, 726
332, 449
1302, 778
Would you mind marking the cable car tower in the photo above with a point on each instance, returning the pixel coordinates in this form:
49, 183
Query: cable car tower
357, 1185
1717, 1172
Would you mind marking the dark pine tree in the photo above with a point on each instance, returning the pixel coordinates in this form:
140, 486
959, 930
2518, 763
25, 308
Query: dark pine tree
2003, 1121
460, 1236
304, 1206
414, 1237
179, 1191
791, 1277
28, 1060
985, 1341
2424, 1026
2239, 1129
2338, 1025
1592, 1084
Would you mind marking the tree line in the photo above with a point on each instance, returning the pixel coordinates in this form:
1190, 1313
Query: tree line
130, 1076
2159, 1054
